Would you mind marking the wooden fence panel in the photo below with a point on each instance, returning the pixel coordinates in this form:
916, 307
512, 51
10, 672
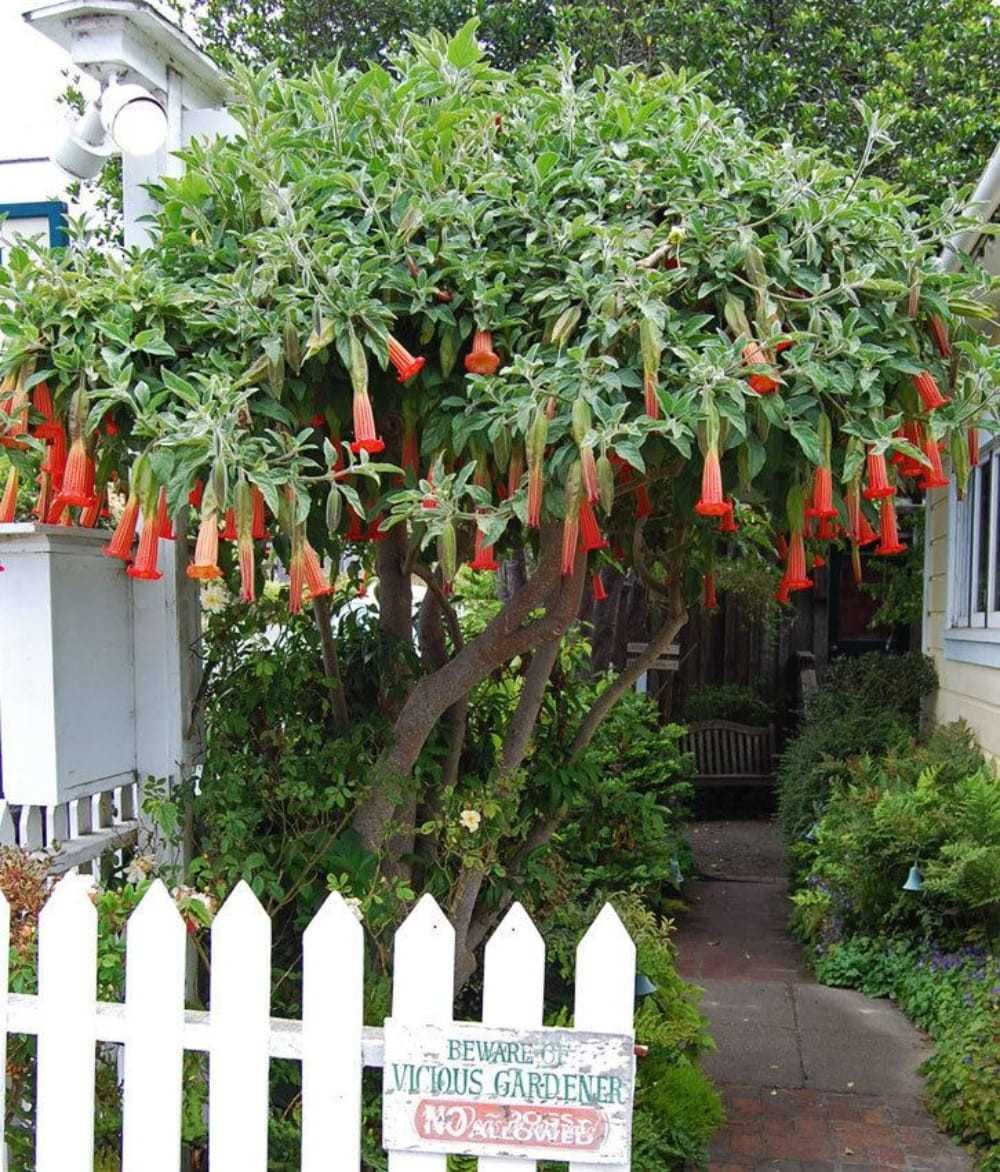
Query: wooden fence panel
67, 996
154, 1025
605, 988
423, 992
240, 1016
332, 1020
513, 994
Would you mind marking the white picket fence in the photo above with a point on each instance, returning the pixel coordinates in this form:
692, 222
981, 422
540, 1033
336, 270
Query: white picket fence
241, 1037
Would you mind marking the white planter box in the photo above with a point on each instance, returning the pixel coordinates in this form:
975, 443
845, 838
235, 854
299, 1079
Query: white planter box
67, 653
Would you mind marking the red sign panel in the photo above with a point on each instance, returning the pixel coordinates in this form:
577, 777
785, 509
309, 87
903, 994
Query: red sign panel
565, 1129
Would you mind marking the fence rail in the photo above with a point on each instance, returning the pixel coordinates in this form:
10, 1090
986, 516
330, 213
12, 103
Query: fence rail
241, 1037
78, 832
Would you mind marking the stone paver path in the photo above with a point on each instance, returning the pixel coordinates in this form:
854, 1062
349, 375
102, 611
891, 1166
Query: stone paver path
815, 1079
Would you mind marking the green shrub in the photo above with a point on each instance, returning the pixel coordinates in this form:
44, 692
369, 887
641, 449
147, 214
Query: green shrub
865, 704
954, 997
937, 804
736, 702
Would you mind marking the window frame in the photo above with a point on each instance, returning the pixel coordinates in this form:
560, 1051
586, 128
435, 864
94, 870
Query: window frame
973, 635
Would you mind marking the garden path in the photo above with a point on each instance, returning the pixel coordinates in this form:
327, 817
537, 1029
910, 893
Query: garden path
814, 1079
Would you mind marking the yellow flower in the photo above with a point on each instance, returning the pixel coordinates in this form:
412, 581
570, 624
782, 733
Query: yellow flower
470, 819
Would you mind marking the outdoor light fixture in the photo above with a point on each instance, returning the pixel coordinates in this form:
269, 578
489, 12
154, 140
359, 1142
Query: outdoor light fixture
124, 118
644, 987
914, 881
676, 874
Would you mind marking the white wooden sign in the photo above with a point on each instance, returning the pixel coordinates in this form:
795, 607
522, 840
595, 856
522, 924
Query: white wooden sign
478, 1090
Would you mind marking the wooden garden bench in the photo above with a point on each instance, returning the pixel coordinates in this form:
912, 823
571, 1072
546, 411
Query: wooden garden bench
729, 754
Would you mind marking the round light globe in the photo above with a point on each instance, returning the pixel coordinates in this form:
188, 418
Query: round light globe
140, 126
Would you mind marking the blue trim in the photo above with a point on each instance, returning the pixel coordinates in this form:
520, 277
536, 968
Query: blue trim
52, 210
982, 652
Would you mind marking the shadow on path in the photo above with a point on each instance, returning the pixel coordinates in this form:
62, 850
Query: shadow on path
815, 1079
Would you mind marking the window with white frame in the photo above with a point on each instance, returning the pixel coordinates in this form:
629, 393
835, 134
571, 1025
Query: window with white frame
974, 579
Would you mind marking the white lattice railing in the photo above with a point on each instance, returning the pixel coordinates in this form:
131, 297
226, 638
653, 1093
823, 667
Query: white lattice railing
241, 1038
78, 832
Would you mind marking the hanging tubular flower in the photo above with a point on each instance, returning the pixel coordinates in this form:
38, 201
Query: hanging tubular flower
206, 550
597, 587
571, 520
827, 530
14, 406
973, 446
753, 355
56, 454
8, 502
258, 529
483, 359
120, 545
483, 558
163, 519
928, 390
728, 523
229, 532
878, 486
651, 344
852, 499
822, 495
366, 439
317, 582
866, 534
77, 489
355, 526
890, 543
537, 436
43, 500
42, 404
711, 503
795, 566
939, 332
195, 495
856, 563
145, 565
818, 561
781, 546
934, 476
405, 363
515, 468
91, 515
710, 601
591, 537
244, 535
783, 595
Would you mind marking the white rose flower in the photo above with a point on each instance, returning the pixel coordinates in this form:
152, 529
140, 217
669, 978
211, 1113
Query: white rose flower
471, 820
214, 597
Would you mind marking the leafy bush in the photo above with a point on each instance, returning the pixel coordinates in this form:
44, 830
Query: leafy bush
954, 997
921, 803
865, 704
737, 702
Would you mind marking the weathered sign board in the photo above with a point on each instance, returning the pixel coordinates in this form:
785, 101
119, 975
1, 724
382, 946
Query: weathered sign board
477, 1090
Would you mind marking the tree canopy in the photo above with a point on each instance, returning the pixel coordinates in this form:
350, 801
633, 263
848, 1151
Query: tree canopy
796, 64
433, 311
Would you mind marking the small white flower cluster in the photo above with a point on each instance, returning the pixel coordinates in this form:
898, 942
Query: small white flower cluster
354, 904
116, 503
139, 868
215, 597
185, 894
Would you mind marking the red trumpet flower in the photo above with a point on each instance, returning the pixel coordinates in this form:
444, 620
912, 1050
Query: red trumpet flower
258, 521
366, 439
195, 495
145, 565
120, 545
783, 594
8, 503
42, 501
973, 447
878, 485
229, 532
206, 550
56, 455
795, 566
933, 477
939, 332
711, 503
753, 355
866, 534
890, 543
77, 490
591, 536
305, 570
91, 514
597, 587
710, 601
483, 359
827, 530
483, 558
822, 495
928, 390
591, 485
42, 404
536, 490
163, 520
405, 363
650, 398
729, 524
355, 526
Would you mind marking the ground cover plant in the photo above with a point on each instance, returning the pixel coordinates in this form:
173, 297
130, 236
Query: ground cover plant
933, 805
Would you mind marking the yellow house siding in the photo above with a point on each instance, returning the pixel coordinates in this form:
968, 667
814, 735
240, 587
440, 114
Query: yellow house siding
966, 690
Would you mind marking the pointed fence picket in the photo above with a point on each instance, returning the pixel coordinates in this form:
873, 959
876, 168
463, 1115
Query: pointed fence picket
240, 1037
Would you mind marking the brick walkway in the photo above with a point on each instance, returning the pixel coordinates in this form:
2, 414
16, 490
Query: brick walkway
814, 1079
